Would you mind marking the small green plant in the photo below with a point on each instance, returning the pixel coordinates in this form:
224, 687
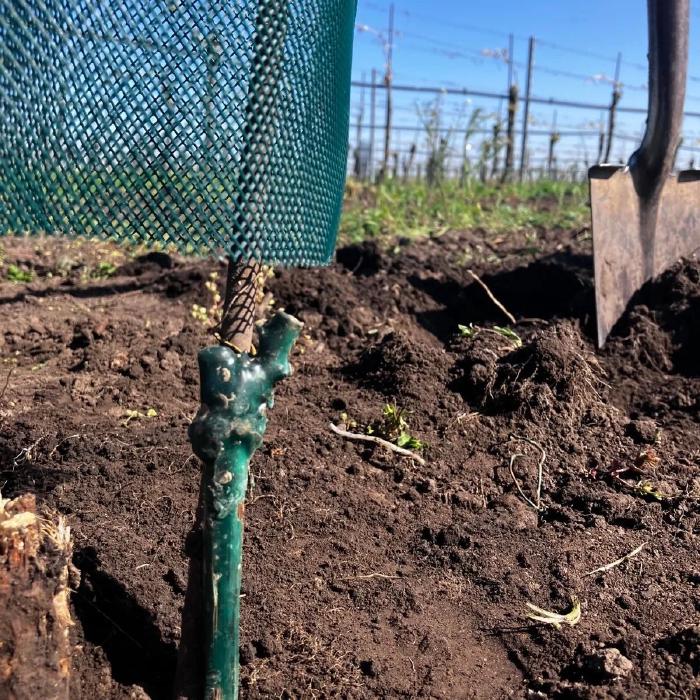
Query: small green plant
17, 274
649, 489
468, 331
393, 427
472, 330
209, 316
510, 334
532, 243
133, 414
103, 270
645, 460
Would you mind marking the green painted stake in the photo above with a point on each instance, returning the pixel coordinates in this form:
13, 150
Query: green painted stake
236, 391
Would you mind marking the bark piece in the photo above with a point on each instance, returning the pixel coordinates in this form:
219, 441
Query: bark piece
35, 553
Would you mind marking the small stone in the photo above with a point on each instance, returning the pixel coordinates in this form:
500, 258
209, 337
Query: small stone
119, 361
642, 431
609, 663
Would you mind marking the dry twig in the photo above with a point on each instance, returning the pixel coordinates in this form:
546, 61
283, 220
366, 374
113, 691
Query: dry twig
490, 295
617, 562
7, 382
377, 441
367, 576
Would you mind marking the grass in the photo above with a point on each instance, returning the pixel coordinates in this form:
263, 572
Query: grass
472, 330
17, 274
413, 209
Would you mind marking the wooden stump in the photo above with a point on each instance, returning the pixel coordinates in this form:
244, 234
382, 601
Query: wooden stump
35, 554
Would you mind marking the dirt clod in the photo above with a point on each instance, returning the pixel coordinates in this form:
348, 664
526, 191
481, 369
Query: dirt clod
608, 663
643, 431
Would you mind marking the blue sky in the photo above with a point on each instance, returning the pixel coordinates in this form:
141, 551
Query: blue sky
442, 43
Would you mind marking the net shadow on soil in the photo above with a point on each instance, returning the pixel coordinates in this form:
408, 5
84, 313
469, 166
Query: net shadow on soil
169, 282
556, 286
113, 620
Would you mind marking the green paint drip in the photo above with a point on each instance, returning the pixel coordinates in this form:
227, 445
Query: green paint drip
236, 392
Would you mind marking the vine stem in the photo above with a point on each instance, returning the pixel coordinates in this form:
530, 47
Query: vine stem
236, 393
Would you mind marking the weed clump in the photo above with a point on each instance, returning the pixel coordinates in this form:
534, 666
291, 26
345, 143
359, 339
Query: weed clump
552, 373
393, 427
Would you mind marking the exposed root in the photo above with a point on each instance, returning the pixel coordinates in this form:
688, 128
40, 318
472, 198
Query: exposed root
537, 503
617, 562
377, 441
491, 296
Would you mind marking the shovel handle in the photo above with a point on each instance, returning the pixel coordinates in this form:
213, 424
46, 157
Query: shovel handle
668, 67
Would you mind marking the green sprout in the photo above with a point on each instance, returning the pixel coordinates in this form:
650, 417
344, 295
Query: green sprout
510, 334
132, 414
394, 428
209, 316
472, 329
646, 488
467, 331
17, 274
104, 270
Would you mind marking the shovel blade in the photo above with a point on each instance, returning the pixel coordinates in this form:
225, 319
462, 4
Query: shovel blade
631, 244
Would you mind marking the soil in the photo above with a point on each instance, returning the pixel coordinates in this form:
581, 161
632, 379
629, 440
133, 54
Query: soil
366, 573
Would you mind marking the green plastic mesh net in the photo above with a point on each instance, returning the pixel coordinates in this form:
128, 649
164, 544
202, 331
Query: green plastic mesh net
209, 126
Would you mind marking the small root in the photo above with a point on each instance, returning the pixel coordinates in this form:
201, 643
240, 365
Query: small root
537, 503
617, 562
377, 441
491, 296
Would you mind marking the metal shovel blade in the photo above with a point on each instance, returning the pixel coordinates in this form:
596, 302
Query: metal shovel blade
634, 241
644, 219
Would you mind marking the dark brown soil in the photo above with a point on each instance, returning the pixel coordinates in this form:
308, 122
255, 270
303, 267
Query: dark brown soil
366, 574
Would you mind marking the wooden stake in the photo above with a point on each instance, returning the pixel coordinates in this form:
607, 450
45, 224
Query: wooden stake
240, 305
526, 113
372, 122
510, 135
388, 80
616, 95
